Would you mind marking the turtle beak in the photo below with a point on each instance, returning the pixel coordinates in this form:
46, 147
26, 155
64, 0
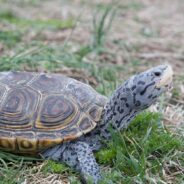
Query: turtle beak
166, 77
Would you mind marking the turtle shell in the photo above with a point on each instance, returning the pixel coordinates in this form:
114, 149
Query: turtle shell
38, 111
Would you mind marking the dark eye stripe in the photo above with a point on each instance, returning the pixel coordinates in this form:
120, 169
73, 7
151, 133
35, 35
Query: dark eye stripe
144, 91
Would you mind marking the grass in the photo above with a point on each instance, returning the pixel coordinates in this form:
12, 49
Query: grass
102, 22
53, 167
147, 152
10, 38
8, 17
14, 167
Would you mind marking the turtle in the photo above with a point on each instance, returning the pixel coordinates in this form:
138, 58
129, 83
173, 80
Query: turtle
60, 118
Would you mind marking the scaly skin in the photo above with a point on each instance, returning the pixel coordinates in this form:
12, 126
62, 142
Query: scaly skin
135, 95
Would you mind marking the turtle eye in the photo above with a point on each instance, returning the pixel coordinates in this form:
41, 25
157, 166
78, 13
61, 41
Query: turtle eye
157, 73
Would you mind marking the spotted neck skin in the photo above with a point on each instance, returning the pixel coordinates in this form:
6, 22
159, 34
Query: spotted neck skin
119, 110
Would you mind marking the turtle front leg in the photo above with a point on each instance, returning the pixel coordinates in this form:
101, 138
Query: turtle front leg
79, 156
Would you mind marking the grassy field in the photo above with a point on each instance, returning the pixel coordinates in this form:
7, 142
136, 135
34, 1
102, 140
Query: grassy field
102, 43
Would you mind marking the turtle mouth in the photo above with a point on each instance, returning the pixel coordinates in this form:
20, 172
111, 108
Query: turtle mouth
166, 79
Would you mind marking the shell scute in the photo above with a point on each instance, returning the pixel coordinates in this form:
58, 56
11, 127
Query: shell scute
47, 83
46, 140
85, 124
15, 78
18, 108
26, 144
3, 91
70, 133
95, 112
26, 141
8, 143
82, 95
57, 112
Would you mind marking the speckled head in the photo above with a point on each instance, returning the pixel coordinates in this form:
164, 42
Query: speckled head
147, 86
136, 94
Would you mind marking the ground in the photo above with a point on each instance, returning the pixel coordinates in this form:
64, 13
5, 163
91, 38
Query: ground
102, 43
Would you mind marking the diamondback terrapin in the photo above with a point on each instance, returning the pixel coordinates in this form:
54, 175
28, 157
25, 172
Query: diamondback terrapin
64, 120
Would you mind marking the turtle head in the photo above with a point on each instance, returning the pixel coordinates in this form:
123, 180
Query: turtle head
147, 86
136, 94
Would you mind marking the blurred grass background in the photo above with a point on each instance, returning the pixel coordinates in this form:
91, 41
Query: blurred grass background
102, 43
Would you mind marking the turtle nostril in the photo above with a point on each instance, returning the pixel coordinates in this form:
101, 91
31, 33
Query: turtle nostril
157, 73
